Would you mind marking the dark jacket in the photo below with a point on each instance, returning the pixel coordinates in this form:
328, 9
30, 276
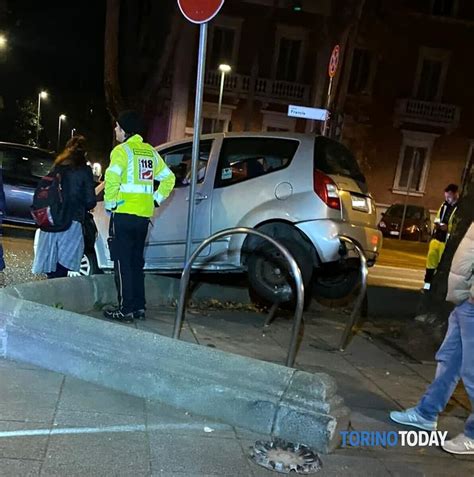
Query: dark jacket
78, 186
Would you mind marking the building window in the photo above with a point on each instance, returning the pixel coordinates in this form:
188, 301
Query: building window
289, 53
224, 40
429, 80
222, 47
288, 58
443, 8
431, 74
359, 79
413, 164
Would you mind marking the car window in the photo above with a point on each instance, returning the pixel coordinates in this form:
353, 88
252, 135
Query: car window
332, 157
413, 212
178, 159
246, 158
22, 166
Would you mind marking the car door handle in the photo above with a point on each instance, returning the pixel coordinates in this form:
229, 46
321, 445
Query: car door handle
198, 197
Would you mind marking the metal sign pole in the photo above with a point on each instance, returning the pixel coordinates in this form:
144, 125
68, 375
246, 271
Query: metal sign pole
328, 103
196, 137
414, 161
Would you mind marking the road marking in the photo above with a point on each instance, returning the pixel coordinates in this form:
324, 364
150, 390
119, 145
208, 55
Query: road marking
109, 429
387, 267
396, 279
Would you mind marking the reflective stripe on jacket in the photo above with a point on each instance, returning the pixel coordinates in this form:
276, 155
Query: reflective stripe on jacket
130, 178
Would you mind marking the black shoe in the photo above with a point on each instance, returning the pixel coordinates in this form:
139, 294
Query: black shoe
139, 314
117, 315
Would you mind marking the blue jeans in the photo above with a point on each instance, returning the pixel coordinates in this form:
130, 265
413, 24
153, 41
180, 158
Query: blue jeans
2, 261
455, 361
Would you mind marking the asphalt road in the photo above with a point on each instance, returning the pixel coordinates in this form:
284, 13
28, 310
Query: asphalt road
400, 265
18, 248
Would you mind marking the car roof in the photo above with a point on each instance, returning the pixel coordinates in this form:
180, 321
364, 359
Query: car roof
24, 146
269, 134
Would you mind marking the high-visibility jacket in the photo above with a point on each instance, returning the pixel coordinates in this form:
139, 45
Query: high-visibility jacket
445, 215
130, 178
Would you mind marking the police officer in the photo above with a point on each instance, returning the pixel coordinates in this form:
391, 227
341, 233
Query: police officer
443, 226
130, 195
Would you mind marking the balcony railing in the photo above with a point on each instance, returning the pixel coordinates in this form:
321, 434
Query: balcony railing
265, 89
427, 113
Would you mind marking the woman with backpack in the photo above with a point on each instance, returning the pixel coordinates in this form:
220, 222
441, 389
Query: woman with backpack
61, 251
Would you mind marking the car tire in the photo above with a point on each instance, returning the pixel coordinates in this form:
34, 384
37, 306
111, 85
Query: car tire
88, 266
269, 275
340, 285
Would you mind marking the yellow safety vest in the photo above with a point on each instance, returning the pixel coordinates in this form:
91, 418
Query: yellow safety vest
130, 178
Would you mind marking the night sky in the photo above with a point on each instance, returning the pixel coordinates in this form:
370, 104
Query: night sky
56, 46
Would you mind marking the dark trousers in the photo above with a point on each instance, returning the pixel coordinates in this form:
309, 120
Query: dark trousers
129, 233
61, 272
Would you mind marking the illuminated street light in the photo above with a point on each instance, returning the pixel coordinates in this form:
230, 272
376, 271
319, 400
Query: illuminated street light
41, 95
3, 42
61, 118
224, 69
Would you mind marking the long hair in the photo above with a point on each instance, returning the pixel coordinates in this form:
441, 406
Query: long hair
74, 154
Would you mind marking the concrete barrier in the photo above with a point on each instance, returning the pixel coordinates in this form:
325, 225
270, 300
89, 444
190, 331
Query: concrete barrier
260, 396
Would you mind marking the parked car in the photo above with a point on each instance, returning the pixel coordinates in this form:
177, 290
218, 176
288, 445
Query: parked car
303, 190
22, 166
416, 226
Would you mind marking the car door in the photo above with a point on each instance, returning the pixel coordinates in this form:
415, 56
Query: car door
167, 236
22, 168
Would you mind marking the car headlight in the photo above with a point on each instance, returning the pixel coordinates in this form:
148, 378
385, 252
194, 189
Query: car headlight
382, 225
412, 229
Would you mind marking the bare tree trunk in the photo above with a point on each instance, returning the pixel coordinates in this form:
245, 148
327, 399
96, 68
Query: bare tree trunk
113, 95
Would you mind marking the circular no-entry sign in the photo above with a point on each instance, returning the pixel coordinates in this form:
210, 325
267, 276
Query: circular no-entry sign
200, 11
334, 61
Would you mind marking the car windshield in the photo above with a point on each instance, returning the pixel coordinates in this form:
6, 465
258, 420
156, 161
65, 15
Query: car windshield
413, 211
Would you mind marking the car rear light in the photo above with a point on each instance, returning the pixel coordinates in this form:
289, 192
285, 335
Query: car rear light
327, 190
374, 240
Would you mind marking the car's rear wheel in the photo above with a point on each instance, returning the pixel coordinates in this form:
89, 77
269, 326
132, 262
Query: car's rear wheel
88, 266
338, 282
269, 274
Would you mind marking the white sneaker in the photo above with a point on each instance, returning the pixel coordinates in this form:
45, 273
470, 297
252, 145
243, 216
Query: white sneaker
460, 445
410, 417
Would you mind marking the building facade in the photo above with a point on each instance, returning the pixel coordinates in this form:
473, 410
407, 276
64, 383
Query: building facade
401, 96
408, 109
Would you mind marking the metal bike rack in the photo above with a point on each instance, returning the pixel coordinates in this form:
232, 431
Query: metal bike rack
184, 282
364, 272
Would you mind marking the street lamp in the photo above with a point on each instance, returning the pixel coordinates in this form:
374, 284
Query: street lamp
224, 69
41, 95
62, 118
3, 42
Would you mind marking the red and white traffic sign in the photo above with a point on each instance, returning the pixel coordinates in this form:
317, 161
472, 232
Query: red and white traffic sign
200, 11
334, 61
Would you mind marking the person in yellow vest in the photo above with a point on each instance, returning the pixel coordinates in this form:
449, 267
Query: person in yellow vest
443, 226
130, 196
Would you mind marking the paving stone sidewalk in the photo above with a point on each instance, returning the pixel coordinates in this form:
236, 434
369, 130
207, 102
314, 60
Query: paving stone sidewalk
51, 424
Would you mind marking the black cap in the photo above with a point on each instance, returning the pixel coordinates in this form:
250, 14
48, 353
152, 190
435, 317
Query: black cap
452, 188
131, 122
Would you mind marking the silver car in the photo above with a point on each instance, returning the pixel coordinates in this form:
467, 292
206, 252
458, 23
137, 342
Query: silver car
302, 189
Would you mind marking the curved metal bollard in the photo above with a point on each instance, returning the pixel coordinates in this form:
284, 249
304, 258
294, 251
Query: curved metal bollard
290, 359
364, 271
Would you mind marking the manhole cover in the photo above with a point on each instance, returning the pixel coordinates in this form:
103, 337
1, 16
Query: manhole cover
285, 457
